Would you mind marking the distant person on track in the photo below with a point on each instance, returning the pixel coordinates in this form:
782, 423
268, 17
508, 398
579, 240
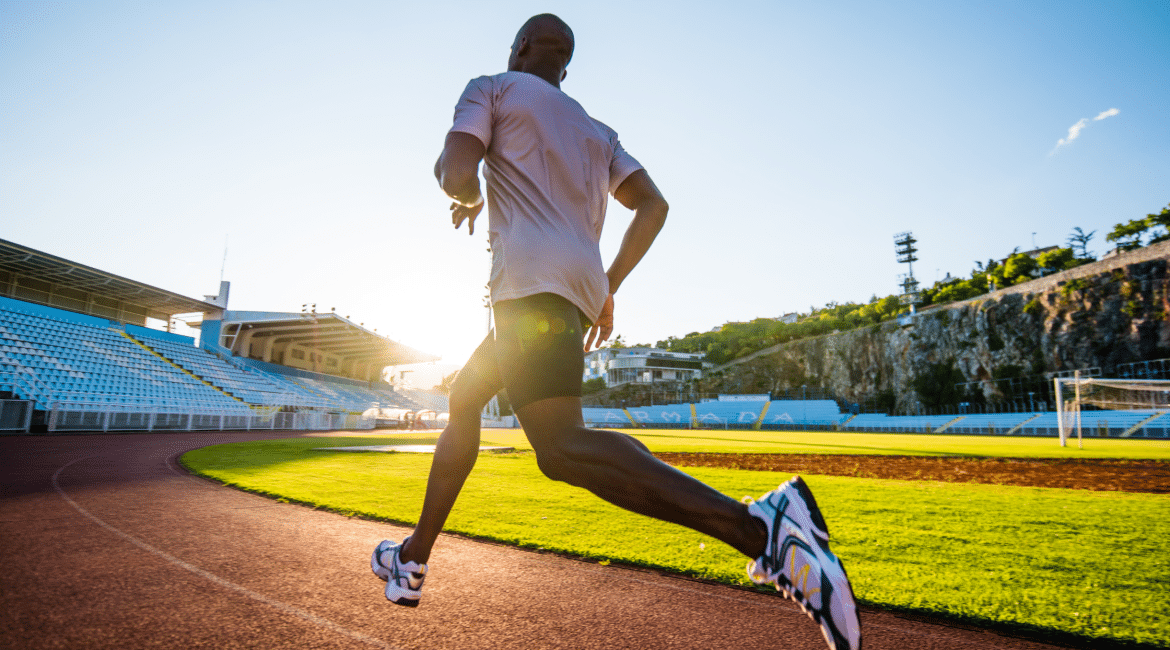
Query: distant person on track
549, 170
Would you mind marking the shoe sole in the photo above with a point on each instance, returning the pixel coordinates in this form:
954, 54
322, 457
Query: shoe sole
400, 596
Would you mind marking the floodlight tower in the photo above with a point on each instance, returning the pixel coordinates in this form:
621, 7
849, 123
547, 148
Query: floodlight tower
904, 246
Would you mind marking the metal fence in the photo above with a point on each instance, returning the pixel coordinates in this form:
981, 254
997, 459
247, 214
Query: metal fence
91, 417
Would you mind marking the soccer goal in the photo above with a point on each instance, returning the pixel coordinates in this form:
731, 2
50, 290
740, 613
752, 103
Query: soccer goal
1130, 403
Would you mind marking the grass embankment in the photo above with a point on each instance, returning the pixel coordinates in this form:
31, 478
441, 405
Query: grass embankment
1092, 564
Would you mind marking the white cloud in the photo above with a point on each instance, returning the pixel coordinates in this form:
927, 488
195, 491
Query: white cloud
1074, 131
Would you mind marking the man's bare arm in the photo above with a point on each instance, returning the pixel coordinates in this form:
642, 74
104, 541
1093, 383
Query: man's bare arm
639, 194
457, 171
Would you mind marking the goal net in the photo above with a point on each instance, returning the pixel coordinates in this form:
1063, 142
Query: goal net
1130, 403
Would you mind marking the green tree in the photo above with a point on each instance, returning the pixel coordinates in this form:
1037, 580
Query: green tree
1078, 241
961, 290
1020, 267
1060, 259
592, 386
1160, 220
1128, 235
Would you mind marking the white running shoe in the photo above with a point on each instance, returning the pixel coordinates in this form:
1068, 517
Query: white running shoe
404, 580
798, 562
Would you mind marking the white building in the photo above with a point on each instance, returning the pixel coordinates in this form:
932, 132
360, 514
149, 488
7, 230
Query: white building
642, 365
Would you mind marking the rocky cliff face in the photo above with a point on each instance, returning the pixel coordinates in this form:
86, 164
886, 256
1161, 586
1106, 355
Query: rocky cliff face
1096, 316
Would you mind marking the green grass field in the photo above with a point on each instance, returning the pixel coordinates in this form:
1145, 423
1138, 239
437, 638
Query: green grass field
1089, 564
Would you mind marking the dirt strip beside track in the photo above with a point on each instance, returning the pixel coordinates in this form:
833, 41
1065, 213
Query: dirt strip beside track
106, 543
1094, 474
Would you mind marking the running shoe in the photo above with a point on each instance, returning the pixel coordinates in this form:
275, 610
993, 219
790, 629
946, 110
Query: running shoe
404, 580
798, 562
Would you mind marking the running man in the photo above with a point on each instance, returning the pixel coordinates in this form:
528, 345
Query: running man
549, 170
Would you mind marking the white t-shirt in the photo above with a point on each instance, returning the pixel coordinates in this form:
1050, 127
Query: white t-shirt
550, 169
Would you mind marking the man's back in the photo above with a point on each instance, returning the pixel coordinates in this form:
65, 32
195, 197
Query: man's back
549, 170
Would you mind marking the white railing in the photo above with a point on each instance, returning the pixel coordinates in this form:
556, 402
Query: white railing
100, 417
33, 388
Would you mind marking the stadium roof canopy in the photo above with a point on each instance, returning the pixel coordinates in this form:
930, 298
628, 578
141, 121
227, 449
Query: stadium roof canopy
34, 276
245, 332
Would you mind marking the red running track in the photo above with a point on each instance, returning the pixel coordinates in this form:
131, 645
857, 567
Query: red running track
107, 543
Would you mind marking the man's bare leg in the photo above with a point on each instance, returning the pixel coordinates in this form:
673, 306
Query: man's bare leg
456, 451
621, 470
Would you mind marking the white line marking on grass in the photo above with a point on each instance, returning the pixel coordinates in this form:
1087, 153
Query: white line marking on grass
271, 602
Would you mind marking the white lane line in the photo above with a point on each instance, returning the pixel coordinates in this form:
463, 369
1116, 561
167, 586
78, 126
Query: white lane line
173, 466
271, 602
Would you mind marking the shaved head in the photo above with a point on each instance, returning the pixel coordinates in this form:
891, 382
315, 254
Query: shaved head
543, 36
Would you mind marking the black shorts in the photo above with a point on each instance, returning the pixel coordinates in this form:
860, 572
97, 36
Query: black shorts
538, 348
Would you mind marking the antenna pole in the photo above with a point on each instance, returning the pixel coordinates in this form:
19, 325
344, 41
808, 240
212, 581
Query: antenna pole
224, 263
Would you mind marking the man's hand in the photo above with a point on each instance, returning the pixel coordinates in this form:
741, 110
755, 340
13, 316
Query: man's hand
461, 213
603, 325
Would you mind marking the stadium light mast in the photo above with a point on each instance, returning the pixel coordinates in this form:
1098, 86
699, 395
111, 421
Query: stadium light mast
904, 247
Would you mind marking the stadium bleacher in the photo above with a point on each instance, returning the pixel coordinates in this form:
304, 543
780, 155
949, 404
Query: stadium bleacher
990, 423
825, 415
728, 414
673, 416
898, 424
89, 372
605, 417
76, 362
819, 413
248, 387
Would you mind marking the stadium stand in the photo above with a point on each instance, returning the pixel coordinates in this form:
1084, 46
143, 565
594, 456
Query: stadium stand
252, 388
816, 414
90, 367
899, 424
606, 418
989, 423
732, 414
674, 416
1112, 424
728, 414
812, 414
75, 355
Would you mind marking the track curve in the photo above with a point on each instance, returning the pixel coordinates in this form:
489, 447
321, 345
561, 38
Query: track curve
106, 543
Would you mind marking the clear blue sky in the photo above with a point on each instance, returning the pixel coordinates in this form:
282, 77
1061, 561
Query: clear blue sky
792, 139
